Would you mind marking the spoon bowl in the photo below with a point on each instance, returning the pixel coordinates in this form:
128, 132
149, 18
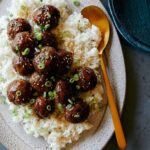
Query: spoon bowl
99, 19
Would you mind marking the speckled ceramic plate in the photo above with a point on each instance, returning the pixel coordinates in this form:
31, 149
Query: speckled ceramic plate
13, 136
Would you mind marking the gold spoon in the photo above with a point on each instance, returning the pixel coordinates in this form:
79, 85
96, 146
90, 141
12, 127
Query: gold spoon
97, 17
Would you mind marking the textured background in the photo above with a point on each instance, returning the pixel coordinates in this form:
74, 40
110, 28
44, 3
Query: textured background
136, 113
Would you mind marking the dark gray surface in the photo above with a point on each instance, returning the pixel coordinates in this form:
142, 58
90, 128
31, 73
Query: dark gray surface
136, 113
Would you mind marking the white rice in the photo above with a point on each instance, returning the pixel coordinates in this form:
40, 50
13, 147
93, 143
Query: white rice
75, 34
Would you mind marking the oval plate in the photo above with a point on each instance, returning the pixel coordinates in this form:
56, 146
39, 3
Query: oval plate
118, 80
132, 19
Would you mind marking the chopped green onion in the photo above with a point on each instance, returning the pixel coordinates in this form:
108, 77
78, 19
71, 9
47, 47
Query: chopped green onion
74, 78
1, 79
41, 65
70, 101
23, 7
69, 106
48, 107
39, 46
44, 94
46, 26
48, 15
77, 115
26, 52
76, 3
38, 36
17, 48
18, 93
61, 108
32, 101
52, 94
14, 112
48, 83
78, 87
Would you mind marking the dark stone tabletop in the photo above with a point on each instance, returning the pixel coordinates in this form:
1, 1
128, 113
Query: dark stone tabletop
136, 113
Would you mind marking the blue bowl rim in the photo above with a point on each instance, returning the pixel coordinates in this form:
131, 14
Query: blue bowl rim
128, 37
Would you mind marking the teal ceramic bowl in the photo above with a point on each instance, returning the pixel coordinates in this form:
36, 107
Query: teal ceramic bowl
132, 19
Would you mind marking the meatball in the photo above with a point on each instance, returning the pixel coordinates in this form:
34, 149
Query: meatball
84, 78
19, 92
46, 38
17, 25
43, 107
46, 61
40, 82
23, 65
78, 112
23, 44
47, 17
65, 61
63, 92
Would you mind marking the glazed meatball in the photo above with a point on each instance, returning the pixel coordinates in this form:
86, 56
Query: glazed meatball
23, 44
63, 92
40, 82
43, 107
23, 65
78, 112
19, 92
84, 78
47, 17
65, 61
17, 25
46, 38
46, 62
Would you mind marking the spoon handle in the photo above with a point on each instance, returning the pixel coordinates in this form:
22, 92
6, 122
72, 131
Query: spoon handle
113, 108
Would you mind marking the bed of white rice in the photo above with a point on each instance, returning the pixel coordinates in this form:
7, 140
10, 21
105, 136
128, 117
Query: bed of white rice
75, 34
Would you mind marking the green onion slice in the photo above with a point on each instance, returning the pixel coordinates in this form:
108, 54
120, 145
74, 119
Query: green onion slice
38, 36
76, 3
41, 65
48, 83
78, 87
74, 78
18, 93
44, 94
26, 52
48, 107
32, 101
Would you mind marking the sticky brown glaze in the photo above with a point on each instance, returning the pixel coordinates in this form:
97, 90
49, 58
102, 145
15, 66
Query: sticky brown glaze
43, 107
23, 44
46, 62
40, 82
87, 78
63, 92
45, 38
47, 17
23, 65
78, 112
17, 25
65, 61
19, 92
